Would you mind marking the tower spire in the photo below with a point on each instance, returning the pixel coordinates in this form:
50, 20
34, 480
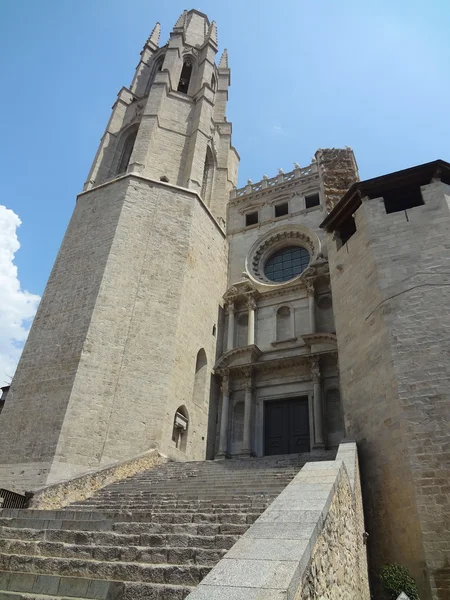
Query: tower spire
181, 23
223, 63
154, 36
212, 33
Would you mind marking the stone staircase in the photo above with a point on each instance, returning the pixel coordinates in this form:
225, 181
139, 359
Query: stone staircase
153, 536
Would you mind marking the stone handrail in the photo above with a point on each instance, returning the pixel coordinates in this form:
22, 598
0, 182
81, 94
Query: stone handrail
308, 544
63, 493
267, 182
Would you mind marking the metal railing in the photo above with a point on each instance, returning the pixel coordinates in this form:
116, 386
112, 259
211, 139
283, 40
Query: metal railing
12, 499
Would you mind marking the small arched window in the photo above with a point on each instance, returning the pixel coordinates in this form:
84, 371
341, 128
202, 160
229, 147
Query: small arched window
127, 150
180, 428
213, 82
156, 68
201, 368
185, 77
208, 177
284, 326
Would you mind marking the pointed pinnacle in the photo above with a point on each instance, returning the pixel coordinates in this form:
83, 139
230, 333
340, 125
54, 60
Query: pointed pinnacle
223, 63
154, 36
212, 33
180, 24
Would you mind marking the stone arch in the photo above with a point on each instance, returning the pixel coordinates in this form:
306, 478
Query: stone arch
208, 176
284, 323
186, 75
180, 428
126, 147
334, 421
156, 68
200, 378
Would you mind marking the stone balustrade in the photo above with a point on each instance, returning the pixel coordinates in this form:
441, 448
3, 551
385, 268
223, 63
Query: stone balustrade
270, 182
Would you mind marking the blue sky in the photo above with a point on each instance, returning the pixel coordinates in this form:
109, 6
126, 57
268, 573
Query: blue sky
305, 74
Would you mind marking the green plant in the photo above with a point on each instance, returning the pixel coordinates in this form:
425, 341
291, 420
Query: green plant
396, 579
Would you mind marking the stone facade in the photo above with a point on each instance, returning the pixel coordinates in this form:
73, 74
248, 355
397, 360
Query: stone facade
198, 320
121, 351
392, 277
279, 341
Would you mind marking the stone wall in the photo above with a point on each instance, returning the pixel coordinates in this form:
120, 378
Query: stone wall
75, 490
338, 171
308, 545
392, 277
133, 297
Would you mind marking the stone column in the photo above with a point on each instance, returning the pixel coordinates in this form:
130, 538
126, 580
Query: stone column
312, 306
223, 440
317, 405
230, 338
246, 440
251, 321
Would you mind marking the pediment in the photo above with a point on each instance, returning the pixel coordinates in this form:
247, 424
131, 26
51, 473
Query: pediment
240, 288
238, 357
320, 342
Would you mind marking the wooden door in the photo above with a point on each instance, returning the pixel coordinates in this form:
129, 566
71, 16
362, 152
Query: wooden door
286, 426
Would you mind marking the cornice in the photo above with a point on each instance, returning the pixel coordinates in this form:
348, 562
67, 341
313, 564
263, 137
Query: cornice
282, 187
225, 366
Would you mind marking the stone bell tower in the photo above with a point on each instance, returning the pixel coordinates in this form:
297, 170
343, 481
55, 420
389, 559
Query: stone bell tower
119, 357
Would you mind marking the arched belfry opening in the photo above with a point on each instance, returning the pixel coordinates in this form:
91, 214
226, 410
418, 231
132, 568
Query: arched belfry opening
185, 77
127, 149
157, 67
201, 368
180, 428
208, 177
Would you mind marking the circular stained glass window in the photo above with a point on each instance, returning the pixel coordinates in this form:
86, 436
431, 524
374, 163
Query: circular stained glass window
287, 263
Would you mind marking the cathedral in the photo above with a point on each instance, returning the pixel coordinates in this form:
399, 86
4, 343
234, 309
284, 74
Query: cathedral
209, 322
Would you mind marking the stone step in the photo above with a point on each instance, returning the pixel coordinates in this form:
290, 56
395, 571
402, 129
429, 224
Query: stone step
190, 575
135, 515
208, 529
30, 586
164, 518
135, 554
181, 540
78, 525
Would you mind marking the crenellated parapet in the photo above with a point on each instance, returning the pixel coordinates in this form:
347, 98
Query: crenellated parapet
272, 183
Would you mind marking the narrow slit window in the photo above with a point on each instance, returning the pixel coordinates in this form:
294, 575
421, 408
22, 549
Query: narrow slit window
281, 209
251, 218
312, 200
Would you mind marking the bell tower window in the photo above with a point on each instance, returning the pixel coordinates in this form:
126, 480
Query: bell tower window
185, 77
157, 68
127, 150
208, 177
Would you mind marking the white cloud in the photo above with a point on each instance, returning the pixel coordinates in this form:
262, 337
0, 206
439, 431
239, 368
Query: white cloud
277, 130
17, 306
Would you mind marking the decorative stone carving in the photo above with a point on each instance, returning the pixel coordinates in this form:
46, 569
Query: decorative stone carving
229, 307
251, 302
225, 384
296, 236
309, 284
315, 371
